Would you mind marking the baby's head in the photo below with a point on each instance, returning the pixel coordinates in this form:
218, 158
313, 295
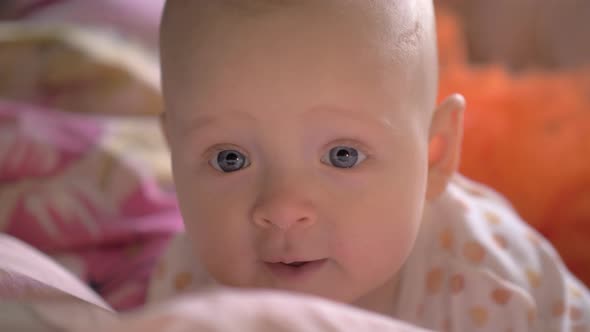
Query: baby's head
306, 132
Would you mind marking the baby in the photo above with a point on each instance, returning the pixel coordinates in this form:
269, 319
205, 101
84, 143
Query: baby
309, 156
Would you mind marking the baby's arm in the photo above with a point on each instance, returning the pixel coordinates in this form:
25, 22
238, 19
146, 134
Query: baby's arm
562, 301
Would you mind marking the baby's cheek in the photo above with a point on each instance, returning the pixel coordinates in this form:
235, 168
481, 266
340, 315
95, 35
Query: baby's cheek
396, 226
219, 227
227, 260
381, 225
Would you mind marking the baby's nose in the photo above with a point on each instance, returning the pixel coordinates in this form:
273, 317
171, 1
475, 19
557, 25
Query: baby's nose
284, 213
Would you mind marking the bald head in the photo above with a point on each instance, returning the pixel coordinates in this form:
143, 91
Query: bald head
284, 93
400, 30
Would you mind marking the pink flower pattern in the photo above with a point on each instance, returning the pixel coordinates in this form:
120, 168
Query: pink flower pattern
64, 193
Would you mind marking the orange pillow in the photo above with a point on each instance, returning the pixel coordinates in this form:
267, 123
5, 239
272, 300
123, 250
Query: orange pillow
527, 136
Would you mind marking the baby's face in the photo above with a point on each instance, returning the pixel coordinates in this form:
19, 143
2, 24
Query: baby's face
300, 137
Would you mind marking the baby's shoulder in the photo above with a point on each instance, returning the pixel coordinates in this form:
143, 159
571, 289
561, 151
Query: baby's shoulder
474, 225
476, 256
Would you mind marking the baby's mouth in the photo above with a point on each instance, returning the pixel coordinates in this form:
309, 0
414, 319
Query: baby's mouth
295, 264
295, 269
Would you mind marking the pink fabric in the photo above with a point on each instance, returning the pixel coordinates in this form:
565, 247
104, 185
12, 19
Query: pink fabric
102, 215
31, 140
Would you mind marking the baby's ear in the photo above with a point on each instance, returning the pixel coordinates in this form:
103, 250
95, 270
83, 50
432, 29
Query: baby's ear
446, 134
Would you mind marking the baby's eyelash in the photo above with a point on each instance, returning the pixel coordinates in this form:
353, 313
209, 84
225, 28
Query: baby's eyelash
351, 143
210, 152
214, 150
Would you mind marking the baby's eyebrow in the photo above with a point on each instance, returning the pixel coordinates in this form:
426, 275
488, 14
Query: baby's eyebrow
383, 123
357, 116
205, 120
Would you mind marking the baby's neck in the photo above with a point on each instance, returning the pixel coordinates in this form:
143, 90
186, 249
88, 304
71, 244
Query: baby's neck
382, 299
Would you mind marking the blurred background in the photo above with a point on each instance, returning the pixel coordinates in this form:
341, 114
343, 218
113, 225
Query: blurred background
84, 171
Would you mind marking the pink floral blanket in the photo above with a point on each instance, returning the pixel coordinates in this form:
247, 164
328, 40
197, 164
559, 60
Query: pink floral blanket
84, 189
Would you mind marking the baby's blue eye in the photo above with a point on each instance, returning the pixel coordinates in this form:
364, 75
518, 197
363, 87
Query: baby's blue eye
343, 157
228, 161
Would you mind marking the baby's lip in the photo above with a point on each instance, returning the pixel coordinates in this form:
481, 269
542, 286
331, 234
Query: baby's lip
288, 260
291, 259
295, 270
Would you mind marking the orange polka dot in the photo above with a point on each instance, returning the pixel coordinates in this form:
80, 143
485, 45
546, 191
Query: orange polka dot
182, 281
474, 252
434, 280
479, 316
463, 205
558, 309
531, 316
492, 218
575, 313
501, 296
446, 325
474, 191
457, 283
501, 241
446, 239
576, 292
420, 310
534, 278
534, 239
